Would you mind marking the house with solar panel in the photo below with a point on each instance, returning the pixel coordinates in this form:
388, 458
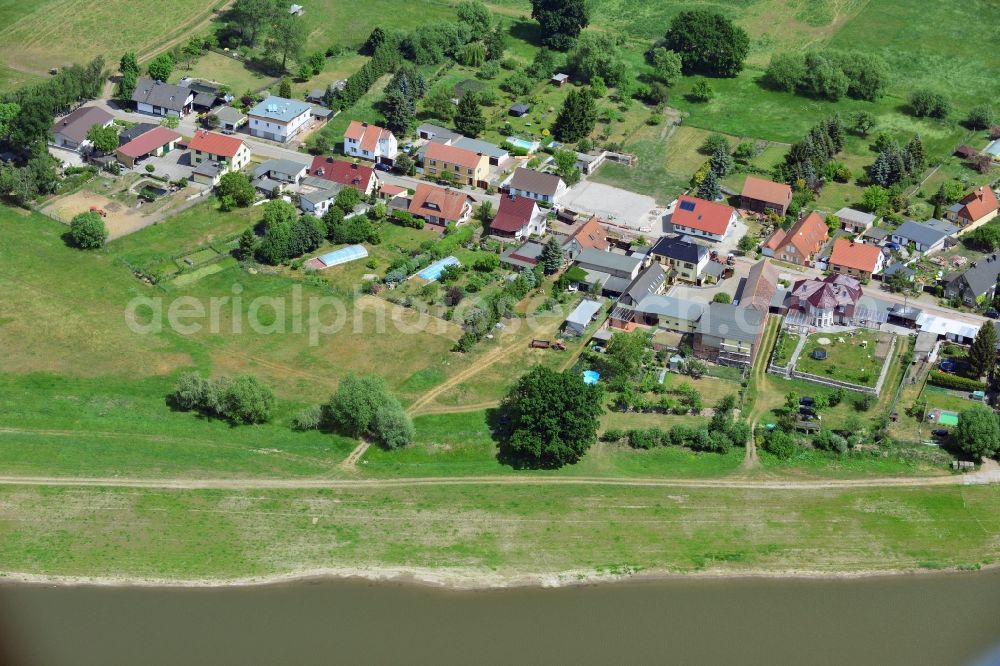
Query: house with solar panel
697, 217
279, 119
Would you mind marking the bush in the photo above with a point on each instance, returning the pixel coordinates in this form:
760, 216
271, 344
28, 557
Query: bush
926, 103
87, 231
647, 439
781, 444
243, 399
308, 419
722, 297
944, 380
613, 435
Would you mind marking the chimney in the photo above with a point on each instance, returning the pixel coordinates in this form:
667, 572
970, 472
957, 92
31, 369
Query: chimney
354, 166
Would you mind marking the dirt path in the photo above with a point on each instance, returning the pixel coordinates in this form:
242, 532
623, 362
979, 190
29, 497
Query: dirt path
978, 478
351, 461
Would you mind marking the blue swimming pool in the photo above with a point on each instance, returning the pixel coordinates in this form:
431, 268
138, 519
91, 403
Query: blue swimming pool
518, 142
591, 376
433, 272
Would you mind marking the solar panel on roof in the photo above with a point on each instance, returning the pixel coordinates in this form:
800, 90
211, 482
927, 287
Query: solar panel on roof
687, 205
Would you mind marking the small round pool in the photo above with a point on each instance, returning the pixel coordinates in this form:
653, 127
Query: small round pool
591, 376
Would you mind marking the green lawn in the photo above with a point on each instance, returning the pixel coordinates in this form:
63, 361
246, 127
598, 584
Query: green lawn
786, 347
234, 73
852, 360
493, 530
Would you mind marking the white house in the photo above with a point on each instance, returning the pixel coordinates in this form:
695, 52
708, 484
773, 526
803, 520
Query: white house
926, 237
370, 142
71, 131
162, 99
697, 217
279, 119
543, 187
316, 195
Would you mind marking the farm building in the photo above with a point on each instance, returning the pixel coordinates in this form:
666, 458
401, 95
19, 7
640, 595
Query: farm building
157, 141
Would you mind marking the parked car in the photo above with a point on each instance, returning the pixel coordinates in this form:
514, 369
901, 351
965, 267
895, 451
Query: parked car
992, 314
804, 410
893, 246
379, 166
599, 349
807, 401
939, 432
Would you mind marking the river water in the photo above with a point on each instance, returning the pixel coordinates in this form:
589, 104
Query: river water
933, 619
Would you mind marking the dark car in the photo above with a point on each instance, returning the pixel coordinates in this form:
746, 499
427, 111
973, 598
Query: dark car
805, 410
939, 432
383, 167
992, 314
807, 401
807, 417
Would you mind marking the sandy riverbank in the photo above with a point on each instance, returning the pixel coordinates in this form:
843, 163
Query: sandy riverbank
467, 579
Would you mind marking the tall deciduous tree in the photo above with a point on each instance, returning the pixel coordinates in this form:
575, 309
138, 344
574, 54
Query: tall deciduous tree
129, 63
161, 67
475, 14
363, 406
87, 231
666, 66
252, 17
287, 38
552, 418
977, 432
708, 43
560, 20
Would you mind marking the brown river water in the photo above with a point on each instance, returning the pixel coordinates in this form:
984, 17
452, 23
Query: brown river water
928, 619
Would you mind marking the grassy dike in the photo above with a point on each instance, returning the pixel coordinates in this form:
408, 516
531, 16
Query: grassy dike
474, 535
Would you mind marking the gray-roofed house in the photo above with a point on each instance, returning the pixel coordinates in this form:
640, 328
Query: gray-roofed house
855, 221
900, 267
875, 235
316, 96
207, 172
729, 335
71, 131
615, 265
669, 313
493, 152
230, 119
683, 257
316, 195
278, 118
130, 134
525, 257
287, 171
162, 99
927, 237
578, 320
429, 131
649, 281
978, 283
544, 187
205, 100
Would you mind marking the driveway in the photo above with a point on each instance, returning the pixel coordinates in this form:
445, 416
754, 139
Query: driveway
635, 212
175, 165
707, 293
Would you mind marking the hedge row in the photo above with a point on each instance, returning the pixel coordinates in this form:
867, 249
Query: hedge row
944, 380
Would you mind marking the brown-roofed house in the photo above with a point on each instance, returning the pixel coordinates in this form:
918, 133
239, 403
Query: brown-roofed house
760, 286
156, 141
518, 217
590, 235
980, 205
439, 205
358, 176
799, 244
856, 259
544, 187
465, 166
764, 196
71, 131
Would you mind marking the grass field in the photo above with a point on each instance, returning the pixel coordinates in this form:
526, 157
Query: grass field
492, 530
36, 35
232, 72
851, 361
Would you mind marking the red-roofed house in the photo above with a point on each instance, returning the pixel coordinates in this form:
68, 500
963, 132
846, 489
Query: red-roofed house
215, 154
465, 166
518, 217
764, 196
799, 244
370, 142
856, 259
358, 176
696, 217
590, 235
977, 206
156, 141
439, 205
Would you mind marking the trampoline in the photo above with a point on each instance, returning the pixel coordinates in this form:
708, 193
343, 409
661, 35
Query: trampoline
948, 418
433, 272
